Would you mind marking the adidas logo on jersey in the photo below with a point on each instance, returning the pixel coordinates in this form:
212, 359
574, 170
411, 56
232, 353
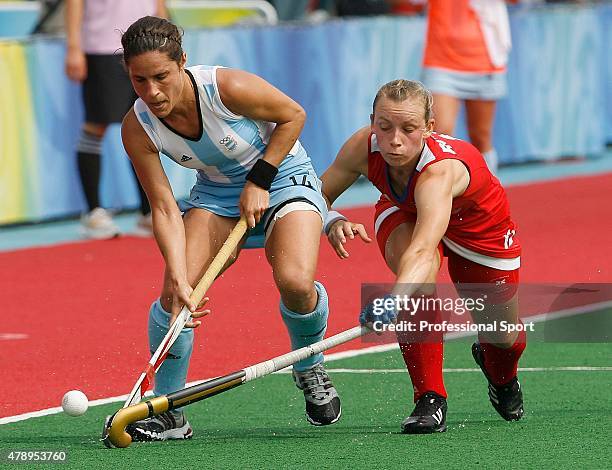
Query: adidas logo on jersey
186, 158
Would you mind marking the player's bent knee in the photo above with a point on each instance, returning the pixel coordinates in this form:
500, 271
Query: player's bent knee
296, 285
297, 291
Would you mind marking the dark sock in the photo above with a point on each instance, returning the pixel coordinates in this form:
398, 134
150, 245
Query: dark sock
88, 159
89, 171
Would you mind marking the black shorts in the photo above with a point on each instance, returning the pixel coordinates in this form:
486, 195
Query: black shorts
107, 90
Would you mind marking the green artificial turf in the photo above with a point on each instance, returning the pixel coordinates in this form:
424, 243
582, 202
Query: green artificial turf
567, 422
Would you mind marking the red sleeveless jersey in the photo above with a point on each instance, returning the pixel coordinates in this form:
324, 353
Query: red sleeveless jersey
480, 218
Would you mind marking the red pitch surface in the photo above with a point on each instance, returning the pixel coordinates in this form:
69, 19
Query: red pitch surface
84, 306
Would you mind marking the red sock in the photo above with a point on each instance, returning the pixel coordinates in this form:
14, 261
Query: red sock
502, 364
423, 353
424, 363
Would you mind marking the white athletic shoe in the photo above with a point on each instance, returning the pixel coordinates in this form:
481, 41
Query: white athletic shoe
98, 225
165, 426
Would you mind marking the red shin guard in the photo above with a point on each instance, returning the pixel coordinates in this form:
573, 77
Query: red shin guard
423, 353
424, 363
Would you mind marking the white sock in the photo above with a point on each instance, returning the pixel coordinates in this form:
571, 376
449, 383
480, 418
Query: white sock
490, 157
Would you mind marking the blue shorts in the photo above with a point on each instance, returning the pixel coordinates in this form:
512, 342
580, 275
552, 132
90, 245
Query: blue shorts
465, 85
300, 185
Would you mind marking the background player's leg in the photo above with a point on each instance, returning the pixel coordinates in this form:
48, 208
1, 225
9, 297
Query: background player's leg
96, 223
445, 110
480, 115
88, 159
99, 93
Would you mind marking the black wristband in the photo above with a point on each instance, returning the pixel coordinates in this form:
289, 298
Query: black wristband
262, 174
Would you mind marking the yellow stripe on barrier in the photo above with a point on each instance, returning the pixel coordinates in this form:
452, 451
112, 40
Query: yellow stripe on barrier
18, 156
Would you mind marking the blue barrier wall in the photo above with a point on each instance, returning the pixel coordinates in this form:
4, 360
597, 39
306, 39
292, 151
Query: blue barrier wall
606, 20
559, 101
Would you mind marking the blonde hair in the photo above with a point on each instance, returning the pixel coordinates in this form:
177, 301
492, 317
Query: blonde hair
401, 90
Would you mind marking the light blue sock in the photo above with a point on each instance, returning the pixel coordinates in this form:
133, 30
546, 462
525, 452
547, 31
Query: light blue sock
307, 329
172, 374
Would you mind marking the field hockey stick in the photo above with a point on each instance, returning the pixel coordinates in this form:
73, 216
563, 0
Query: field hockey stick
114, 431
146, 378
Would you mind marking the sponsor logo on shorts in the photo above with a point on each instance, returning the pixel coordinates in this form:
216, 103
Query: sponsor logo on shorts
186, 158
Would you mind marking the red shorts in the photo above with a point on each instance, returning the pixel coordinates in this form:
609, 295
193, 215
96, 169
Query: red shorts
504, 284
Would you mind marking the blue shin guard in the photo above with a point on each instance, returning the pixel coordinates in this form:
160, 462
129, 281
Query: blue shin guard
172, 374
308, 328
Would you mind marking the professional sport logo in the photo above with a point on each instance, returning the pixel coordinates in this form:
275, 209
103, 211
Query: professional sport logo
229, 143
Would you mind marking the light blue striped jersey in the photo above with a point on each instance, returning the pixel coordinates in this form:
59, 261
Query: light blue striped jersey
229, 144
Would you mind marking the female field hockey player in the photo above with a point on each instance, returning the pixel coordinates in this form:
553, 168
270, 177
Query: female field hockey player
240, 134
438, 199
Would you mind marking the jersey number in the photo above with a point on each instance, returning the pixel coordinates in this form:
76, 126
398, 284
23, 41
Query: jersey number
509, 238
446, 148
304, 182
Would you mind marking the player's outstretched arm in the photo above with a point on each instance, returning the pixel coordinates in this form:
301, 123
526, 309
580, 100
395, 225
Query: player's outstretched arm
434, 193
349, 164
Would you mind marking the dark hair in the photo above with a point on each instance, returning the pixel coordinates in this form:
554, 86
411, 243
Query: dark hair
400, 90
151, 33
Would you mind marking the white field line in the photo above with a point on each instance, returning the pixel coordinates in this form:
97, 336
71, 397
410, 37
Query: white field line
12, 336
122, 398
370, 350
